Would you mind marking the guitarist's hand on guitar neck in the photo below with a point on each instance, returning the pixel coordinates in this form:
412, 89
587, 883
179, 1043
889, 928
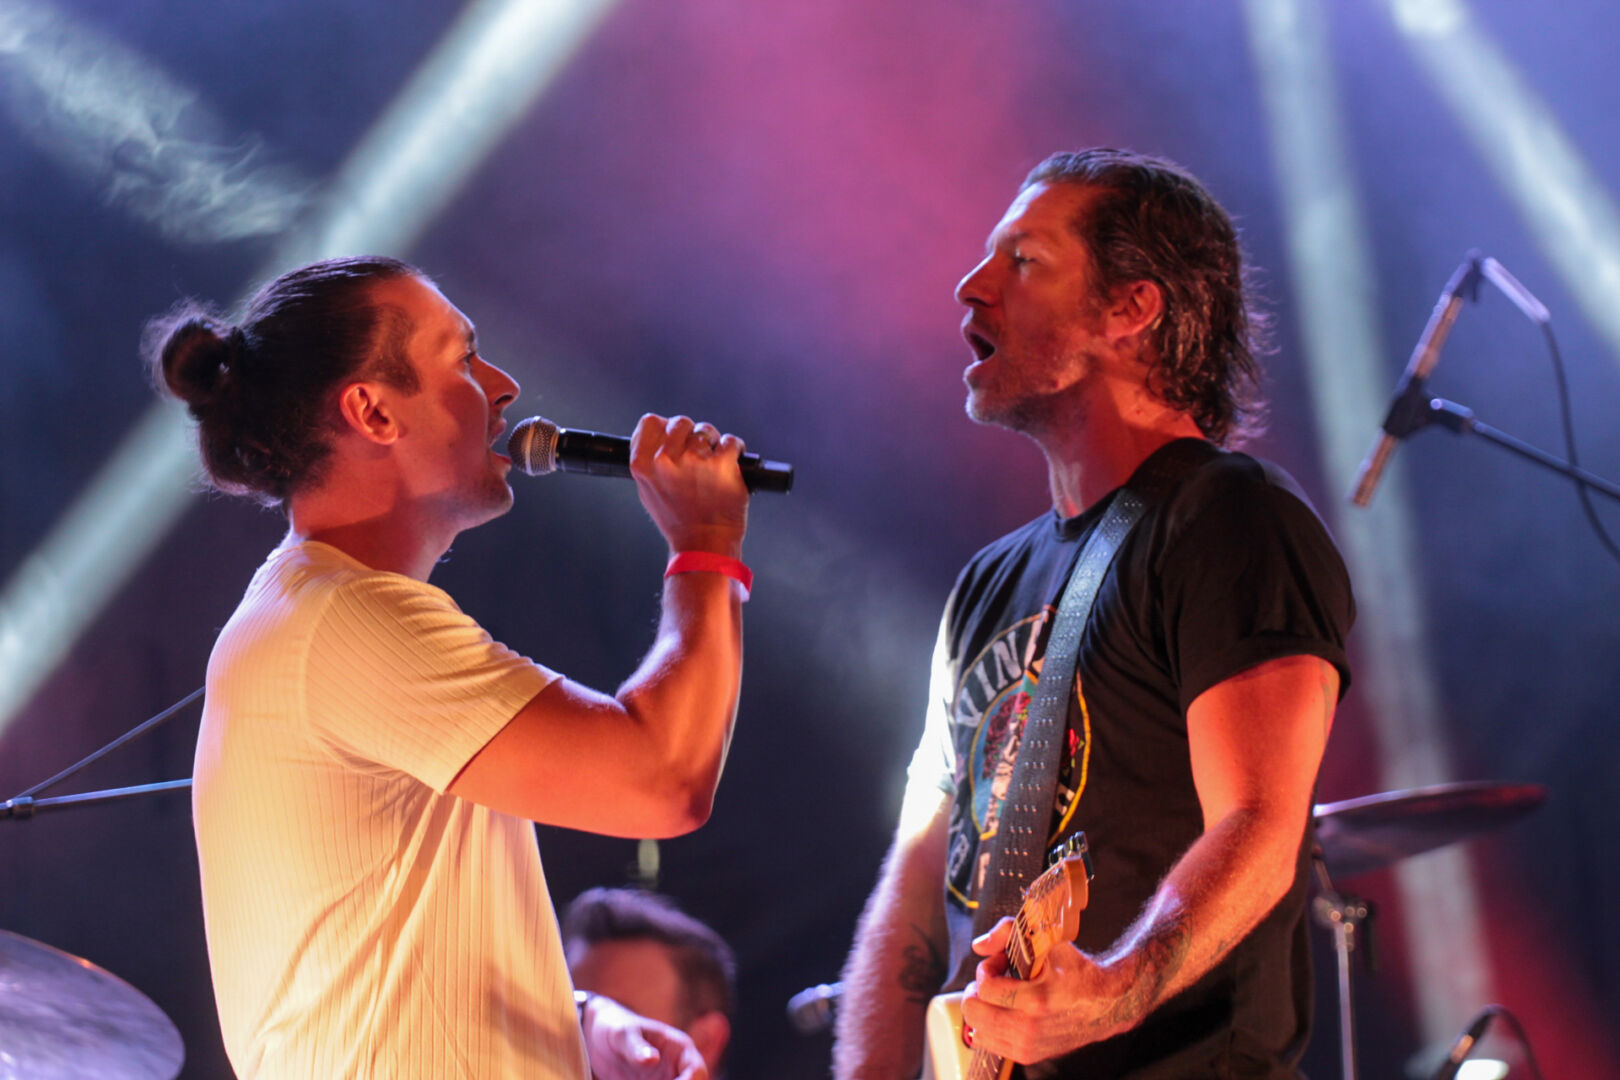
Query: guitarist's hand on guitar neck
1019, 951
1072, 1000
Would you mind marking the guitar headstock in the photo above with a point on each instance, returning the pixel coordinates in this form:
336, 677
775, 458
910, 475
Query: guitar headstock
1053, 902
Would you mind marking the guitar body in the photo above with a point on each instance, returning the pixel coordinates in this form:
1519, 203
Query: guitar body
948, 1056
1050, 914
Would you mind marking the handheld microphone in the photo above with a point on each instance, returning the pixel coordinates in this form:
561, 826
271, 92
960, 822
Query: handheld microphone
538, 447
1408, 408
1465, 1044
813, 1009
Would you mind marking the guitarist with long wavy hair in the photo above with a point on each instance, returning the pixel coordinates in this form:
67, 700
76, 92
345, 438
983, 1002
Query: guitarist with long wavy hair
1108, 322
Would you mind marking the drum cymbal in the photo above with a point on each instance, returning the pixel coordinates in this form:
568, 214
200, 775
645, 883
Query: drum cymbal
1357, 835
62, 1018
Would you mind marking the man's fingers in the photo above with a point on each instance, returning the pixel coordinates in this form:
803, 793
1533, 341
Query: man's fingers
677, 436
1000, 992
648, 437
995, 941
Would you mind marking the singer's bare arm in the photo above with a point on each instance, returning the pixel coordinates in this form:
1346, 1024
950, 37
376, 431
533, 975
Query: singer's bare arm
899, 958
644, 761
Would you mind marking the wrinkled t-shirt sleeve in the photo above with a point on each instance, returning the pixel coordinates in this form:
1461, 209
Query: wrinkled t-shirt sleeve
400, 678
1252, 575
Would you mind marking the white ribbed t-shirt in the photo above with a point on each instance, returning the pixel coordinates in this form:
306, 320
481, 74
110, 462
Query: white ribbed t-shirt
361, 922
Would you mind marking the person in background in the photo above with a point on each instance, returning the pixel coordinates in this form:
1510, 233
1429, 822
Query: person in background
642, 951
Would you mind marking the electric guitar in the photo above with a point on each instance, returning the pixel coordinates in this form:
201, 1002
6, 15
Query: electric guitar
1049, 914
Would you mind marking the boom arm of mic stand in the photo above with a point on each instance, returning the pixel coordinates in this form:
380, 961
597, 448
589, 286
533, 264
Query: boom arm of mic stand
1461, 420
24, 807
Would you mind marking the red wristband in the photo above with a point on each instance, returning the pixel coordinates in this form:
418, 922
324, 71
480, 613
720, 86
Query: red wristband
683, 562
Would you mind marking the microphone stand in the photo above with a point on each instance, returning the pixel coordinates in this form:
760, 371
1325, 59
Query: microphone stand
1415, 410
23, 806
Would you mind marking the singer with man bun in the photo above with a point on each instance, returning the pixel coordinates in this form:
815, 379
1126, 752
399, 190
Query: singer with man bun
370, 760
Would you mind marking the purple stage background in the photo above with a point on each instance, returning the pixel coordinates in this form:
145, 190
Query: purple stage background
756, 213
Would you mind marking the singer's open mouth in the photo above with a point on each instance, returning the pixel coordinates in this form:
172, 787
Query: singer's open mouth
982, 346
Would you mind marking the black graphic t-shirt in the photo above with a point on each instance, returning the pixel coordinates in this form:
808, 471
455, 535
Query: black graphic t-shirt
1230, 569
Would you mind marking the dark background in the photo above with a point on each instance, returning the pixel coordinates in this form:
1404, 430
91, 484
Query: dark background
756, 213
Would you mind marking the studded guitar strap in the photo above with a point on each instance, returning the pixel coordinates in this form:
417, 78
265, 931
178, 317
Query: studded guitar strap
1025, 821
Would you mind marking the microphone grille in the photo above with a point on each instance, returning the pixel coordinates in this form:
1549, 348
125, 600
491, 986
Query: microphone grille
533, 446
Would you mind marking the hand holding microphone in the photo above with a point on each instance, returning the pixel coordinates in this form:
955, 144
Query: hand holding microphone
691, 480
689, 483
538, 447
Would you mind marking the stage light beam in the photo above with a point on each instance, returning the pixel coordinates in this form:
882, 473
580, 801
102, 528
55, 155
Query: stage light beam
1333, 285
476, 85
1572, 217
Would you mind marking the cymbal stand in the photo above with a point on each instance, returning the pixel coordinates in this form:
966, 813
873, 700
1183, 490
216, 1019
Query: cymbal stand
1342, 915
23, 806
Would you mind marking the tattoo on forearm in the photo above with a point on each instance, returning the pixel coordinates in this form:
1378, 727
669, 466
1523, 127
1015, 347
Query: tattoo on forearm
1163, 951
922, 967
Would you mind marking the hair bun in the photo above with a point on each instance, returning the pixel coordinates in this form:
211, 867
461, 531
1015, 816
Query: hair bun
259, 386
193, 353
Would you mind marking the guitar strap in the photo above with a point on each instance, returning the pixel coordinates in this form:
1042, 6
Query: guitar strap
1025, 822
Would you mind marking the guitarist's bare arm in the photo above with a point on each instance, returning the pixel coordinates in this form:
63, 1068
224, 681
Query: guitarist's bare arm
1255, 741
898, 960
